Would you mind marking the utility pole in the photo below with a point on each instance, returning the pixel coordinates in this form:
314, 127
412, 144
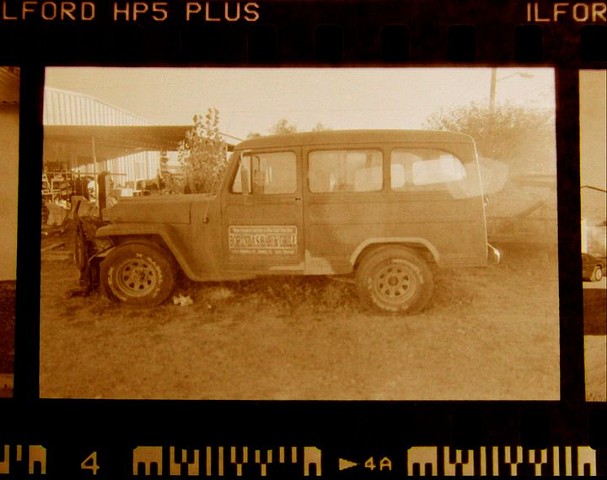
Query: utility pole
492, 95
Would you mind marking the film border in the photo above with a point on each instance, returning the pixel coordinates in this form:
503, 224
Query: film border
335, 34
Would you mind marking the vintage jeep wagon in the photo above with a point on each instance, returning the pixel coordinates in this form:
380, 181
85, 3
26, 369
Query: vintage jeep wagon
382, 208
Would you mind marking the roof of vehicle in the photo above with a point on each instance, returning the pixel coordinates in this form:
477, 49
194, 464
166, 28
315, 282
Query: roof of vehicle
330, 137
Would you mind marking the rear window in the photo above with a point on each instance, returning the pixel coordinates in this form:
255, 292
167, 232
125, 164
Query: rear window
345, 171
422, 169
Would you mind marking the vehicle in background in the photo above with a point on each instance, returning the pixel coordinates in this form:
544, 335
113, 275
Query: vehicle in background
145, 187
593, 268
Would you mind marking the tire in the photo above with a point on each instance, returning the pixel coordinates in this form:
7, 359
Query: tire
138, 274
597, 274
395, 280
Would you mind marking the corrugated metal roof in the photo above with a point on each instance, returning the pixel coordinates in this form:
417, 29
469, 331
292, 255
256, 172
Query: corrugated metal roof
83, 131
9, 85
113, 141
62, 107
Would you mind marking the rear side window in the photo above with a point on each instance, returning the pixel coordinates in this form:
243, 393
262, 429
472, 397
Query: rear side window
423, 169
266, 173
345, 171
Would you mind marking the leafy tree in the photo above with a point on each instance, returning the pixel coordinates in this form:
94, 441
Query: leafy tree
319, 127
280, 127
521, 137
284, 126
202, 155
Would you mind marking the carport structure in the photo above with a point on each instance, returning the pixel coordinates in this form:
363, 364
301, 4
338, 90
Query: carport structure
74, 154
93, 149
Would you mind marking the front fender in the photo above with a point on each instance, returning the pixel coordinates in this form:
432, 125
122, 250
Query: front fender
158, 233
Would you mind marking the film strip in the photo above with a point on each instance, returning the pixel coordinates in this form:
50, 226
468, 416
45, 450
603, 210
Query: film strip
243, 462
64, 435
568, 33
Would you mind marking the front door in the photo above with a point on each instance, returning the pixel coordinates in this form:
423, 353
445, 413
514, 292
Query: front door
262, 226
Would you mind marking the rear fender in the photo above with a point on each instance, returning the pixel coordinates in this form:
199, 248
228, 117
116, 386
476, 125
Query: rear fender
419, 244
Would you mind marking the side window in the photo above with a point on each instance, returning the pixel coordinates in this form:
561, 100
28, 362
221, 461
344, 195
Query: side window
266, 173
345, 171
424, 169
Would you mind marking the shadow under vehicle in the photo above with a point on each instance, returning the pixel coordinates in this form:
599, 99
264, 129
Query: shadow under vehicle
381, 208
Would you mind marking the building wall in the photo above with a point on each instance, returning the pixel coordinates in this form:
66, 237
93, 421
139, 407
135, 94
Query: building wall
593, 143
9, 174
130, 168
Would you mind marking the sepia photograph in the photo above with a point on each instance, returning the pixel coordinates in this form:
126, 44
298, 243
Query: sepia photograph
300, 234
9, 173
593, 197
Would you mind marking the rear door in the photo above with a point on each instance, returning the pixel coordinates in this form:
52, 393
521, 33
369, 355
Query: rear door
262, 216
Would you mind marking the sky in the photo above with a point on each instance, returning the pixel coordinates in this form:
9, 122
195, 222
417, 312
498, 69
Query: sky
254, 99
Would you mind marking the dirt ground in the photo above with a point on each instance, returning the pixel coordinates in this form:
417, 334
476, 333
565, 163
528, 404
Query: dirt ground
489, 333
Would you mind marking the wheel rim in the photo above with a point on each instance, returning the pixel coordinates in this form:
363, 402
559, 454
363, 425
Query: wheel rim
137, 277
395, 283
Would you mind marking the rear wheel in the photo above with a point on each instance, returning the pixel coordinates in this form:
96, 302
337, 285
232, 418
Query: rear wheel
395, 279
138, 274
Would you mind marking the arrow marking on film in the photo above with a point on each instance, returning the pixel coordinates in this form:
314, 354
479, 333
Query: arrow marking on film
343, 464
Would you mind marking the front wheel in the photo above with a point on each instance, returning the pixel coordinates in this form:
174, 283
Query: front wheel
138, 275
395, 279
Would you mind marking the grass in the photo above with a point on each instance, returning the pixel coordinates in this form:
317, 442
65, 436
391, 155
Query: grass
488, 333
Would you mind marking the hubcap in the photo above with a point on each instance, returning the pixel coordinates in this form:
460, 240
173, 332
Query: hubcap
395, 283
137, 278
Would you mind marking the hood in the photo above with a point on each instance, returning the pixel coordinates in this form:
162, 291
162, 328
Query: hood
154, 209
